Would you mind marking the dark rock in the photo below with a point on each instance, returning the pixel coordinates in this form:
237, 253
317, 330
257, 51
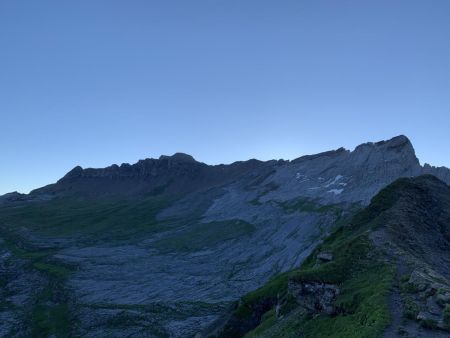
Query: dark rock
314, 296
325, 256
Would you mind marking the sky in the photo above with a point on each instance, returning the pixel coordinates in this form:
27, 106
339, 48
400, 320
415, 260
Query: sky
93, 82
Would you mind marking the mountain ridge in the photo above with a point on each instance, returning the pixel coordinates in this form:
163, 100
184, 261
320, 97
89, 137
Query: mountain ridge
181, 173
163, 247
397, 248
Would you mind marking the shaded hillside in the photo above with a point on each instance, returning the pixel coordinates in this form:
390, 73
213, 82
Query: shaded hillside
176, 174
384, 272
163, 247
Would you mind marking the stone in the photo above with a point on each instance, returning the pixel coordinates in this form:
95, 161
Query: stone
314, 296
325, 256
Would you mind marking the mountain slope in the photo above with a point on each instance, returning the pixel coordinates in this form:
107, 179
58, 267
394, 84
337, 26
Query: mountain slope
164, 246
176, 174
396, 249
339, 175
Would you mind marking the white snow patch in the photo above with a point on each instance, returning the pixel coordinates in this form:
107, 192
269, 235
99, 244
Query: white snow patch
336, 179
336, 191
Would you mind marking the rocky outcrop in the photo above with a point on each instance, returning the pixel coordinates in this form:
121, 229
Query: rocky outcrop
12, 197
325, 256
415, 234
403, 231
315, 297
427, 295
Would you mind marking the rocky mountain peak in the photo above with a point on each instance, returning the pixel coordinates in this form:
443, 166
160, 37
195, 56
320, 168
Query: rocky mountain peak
75, 172
398, 144
179, 157
398, 152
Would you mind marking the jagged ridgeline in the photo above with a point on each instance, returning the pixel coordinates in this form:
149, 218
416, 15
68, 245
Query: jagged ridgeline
173, 247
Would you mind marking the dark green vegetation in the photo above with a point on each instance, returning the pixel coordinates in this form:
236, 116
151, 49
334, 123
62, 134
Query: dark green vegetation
308, 205
112, 220
406, 225
358, 268
50, 315
364, 281
102, 217
202, 235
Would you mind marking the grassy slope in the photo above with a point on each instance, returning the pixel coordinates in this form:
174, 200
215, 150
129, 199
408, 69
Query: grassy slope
65, 217
202, 235
360, 271
50, 313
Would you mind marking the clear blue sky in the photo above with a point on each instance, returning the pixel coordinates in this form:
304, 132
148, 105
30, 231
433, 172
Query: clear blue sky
93, 82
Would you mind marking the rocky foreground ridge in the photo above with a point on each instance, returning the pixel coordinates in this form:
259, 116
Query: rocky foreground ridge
164, 247
383, 273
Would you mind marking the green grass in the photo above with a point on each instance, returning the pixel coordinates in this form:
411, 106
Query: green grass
357, 268
55, 270
38, 259
64, 217
308, 205
17, 247
93, 219
276, 286
267, 321
50, 314
363, 307
362, 304
447, 316
24, 254
411, 309
203, 235
385, 199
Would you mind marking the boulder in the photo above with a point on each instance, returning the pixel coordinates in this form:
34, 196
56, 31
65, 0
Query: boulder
325, 256
315, 297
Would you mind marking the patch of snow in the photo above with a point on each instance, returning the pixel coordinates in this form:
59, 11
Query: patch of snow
336, 179
336, 191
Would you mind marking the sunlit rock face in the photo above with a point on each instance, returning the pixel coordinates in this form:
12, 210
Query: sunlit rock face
162, 247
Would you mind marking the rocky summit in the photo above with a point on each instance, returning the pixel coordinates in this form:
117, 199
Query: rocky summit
173, 247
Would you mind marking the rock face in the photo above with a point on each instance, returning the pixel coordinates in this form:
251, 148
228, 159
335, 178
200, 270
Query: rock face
325, 256
177, 174
12, 197
385, 274
168, 243
315, 297
333, 176
416, 236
